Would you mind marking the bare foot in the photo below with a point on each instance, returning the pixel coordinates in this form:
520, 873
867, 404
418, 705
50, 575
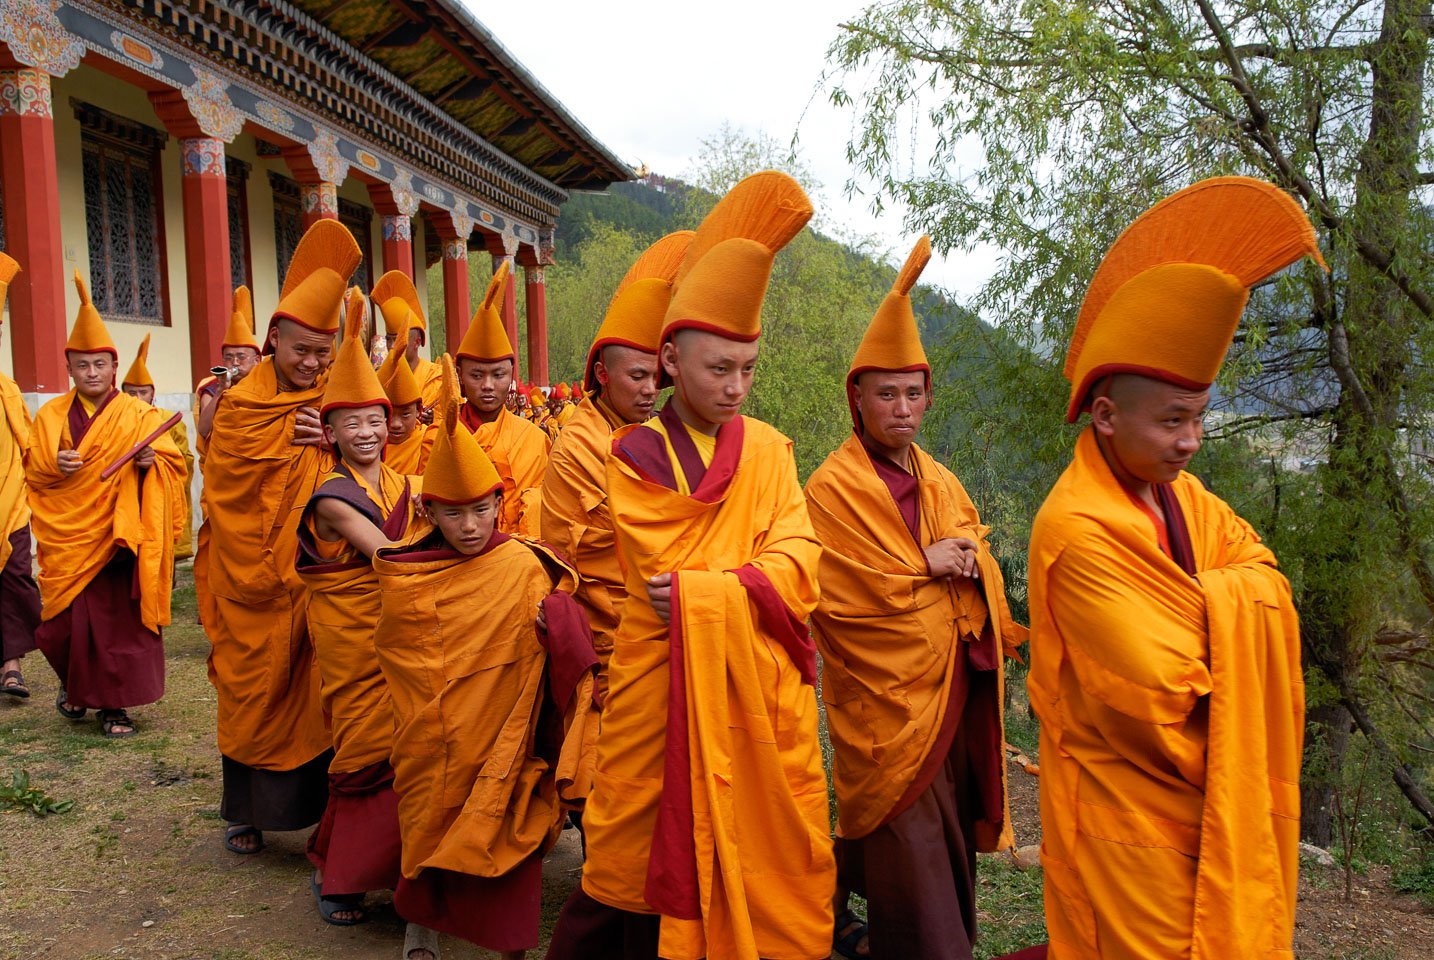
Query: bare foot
354, 913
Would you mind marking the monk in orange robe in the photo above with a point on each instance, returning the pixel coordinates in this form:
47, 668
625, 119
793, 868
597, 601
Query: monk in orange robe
19, 596
1165, 664
263, 464
708, 827
404, 320
106, 546
495, 711
622, 377
519, 450
410, 440
912, 626
139, 384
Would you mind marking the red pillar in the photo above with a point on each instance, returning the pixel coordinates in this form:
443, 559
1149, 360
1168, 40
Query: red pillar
398, 244
456, 305
537, 303
320, 200
206, 251
510, 298
31, 184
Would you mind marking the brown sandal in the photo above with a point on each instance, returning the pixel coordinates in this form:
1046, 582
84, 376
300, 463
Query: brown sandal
15, 689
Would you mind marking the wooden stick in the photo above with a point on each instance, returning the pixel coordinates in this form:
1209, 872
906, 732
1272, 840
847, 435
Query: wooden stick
134, 450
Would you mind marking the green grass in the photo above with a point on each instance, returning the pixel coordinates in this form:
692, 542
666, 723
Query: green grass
1009, 907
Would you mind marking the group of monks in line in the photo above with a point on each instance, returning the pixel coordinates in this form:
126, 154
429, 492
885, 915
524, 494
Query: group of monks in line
440, 632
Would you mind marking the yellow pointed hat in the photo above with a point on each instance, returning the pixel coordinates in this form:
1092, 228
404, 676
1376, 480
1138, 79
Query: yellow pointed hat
1167, 298
352, 382
138, 373
318, 275
397, 376
486, 341
397, 300
241, 322
8, 268
635, 316
458, 470
723, 279
89, 334
892, 341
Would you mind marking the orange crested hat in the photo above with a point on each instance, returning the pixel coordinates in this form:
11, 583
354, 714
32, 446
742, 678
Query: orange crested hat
241, 321
486, 341
458, 470
138, 373
635, 316
1165, 301
352, 381
535, 395
318, 275
397, 300
397, 377
723, 279
89, 334
8, 268
892, 341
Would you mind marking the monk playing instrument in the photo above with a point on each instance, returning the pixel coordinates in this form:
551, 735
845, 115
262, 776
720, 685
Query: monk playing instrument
404, 320
518, 449
495, 715
19, 596
622, 374
262, 466
1165, 662
410, 440
106, 546
912, 625
707, 831
239, 353
139, 384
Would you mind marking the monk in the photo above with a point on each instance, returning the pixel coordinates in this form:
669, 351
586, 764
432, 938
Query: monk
518, 450
106, 546
139, 384
491, 668
560, 409
238, 353
410, 440
1165, 663
622, 374
263, 464
403, 319
912, 624
19, 596
707, 830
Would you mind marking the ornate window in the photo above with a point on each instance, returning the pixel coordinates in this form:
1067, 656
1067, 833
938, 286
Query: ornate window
289, 227
359, 219
124, 215
241, 271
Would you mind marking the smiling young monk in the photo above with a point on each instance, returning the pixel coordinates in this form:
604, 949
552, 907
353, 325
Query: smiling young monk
410, 440
139, 384
1164, 647
622, 375
263, 464
912, 626
517, 448
19, 596
491, 667
404, 320
106, 546
707, 831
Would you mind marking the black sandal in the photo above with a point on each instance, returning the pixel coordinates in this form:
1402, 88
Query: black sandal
236, 830
16, 689
329, 906
109, 719
76, 713
847, 945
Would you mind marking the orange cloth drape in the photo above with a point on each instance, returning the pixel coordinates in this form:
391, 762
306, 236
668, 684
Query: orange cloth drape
14, 439
261, 662
80, 520
430, 379
764, 869
519, 451
184, 546
1171, 712
889, 633
410, 456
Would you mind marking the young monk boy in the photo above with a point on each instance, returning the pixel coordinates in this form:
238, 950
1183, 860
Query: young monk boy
263, 463
410, 440
709, 807
912, 625
404, 320
518, 450
622, 373
139, 384
489, 662
106, 546
19, 596
1165, 652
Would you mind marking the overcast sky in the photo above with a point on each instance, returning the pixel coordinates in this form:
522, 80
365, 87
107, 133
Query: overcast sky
652, 80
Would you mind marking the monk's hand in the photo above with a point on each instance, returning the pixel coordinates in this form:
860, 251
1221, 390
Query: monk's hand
425, 413
659, 593
542, 619
145, 458
308, 429
69, 461
966, 566
948, 558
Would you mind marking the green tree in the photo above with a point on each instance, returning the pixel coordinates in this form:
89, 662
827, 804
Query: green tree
1045, 126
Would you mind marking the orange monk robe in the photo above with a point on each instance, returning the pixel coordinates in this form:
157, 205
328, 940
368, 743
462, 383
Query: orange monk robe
519, 451
410, 456
430, 379
495, 728
710, 802
576, 520
1167, 681
201, 539
184, 546
19, 597
257, 482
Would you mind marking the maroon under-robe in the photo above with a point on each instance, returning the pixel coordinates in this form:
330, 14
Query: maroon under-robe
19, 599
362, 809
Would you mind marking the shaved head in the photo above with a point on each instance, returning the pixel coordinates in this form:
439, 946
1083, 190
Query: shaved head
1148, 429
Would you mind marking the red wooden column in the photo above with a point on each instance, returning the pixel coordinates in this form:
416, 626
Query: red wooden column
396, 203
537, 304
31, 185
320, 170
455, 229
206, 224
